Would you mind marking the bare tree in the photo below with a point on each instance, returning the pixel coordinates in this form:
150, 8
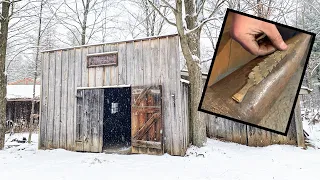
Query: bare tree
83, 19
144, 20
32, 114
4, 21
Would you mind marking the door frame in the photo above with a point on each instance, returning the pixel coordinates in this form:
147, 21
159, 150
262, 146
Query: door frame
75, 110
104, 87
122, 86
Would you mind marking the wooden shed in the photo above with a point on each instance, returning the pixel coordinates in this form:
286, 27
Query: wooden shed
18, 108
125, 94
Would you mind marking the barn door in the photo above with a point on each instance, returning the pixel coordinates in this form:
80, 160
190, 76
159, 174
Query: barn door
89, 120
146, 120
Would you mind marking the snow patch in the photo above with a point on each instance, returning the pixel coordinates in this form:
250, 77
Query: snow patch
216, 160
22, 91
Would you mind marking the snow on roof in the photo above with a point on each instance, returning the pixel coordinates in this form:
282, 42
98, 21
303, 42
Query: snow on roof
22, 91
24, 81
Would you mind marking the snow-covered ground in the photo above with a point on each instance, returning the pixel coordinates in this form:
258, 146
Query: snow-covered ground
217, 160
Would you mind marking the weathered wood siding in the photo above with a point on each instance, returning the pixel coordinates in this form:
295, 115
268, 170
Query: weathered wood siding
152, 61
19, 112
228, 130
185, 126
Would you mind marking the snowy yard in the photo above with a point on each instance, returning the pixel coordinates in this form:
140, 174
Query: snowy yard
217, 160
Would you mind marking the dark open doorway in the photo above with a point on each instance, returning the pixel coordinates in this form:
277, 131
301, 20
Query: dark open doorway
117, 119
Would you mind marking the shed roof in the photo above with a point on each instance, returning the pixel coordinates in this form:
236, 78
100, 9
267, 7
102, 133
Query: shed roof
22, 92
24, 81
112, 42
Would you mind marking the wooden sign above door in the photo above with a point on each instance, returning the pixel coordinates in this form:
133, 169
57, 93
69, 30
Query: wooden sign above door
102, 59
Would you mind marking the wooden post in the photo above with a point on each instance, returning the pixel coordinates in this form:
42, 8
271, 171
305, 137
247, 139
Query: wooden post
298, 121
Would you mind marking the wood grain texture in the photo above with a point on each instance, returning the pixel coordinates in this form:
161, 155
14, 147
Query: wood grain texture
71, 100
99, 70
298, 123
57, 101
44, 100
277, 118
143, 121
79, 139
230, 55
122, 60
51, 99
256, 104
64, 99
140, 63
91, 71
78, 98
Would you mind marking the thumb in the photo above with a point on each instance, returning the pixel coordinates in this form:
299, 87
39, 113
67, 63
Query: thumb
273, 34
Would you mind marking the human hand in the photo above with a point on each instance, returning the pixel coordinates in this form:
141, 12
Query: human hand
245, 31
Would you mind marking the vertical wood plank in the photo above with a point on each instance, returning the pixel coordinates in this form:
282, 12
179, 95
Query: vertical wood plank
71, 100
64, 99
100, 121
107, 69
85, 71
146, 66
130, 62
99, 70
122, 62
156, 80
79, 138
44, 100
142, 118
229, 130
298, 122
239, 133
92, 70
86, 120
114, 70
291, 137
85, 117
93, 131
138, 64
98, 135
134, 119
78, 102
151, 135
141, 61
176, 59
173, 71
155, 63
51, 100
57, 104
252, 141
146, 62
166, 97
184, 117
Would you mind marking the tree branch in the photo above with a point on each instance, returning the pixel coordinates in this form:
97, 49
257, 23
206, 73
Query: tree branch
159, 12
166, 3
202, 24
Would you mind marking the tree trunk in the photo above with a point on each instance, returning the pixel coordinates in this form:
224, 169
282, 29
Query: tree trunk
32, 117
190, 45
84, 23
3, 79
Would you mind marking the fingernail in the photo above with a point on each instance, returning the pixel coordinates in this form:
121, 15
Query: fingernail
283, 45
